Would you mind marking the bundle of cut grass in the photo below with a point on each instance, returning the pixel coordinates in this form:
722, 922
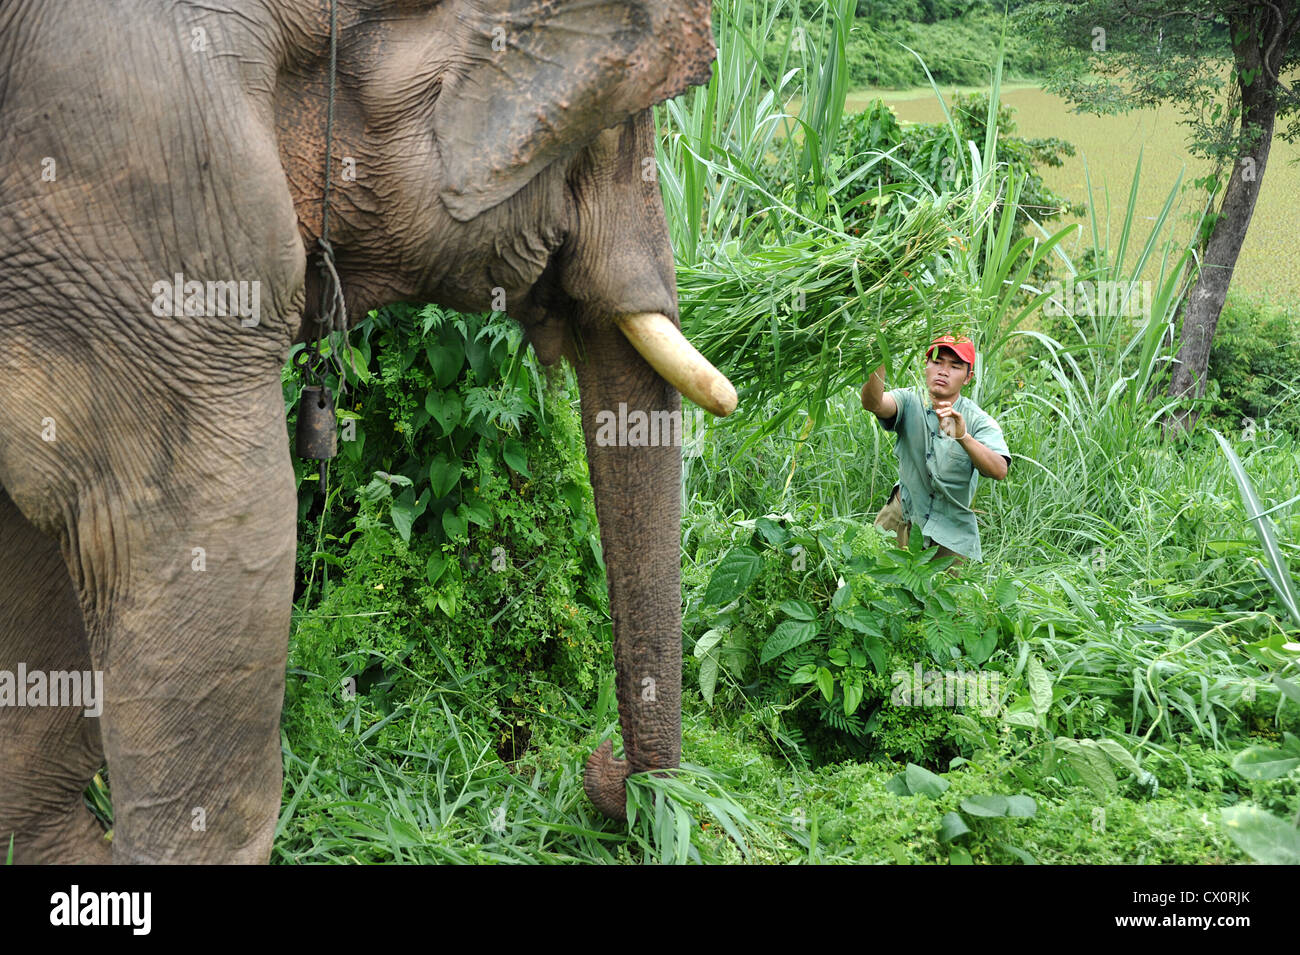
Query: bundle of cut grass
803, 319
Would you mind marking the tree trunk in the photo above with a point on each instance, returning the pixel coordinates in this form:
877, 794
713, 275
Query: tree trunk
1205, 302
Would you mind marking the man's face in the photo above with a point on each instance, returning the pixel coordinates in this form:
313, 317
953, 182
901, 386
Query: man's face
946, 374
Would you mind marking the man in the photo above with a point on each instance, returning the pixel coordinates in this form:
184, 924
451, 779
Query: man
944, 445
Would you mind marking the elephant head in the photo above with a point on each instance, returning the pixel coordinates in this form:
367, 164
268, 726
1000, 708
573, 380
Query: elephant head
500, 155
485, 154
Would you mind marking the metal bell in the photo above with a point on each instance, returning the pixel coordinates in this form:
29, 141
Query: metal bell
317, 437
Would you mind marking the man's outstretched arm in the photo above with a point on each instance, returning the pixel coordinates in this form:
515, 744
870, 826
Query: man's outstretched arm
875, 399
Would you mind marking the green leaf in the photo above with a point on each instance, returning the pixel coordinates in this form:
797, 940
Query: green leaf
1265, 762
787, 636
798, 609
1019, 853
842, 596
1021, 807
1021, 718
825, 683
1119, 755
1291, 690
898, 785
921, 781
734, 573
959, 856
852, 698
1262, 836
876, 650
376, 490
990, 807
1090, 763
1006, 593
406, 509
514, 454
839, 657
707, 642
941, 635
445, 408
952, 826
435, 567
443, 475
478, 512
1276, 570
1040, 686
447, 603
860, 619
477, 352
454, 524
446, 358
772, 532
708, 676
805, 674
980, 648
572, 495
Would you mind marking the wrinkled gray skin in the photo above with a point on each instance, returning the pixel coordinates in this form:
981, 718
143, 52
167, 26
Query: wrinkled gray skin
128, 440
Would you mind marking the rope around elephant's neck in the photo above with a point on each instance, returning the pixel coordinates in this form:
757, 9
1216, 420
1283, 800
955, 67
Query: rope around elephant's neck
329, 131
333, 312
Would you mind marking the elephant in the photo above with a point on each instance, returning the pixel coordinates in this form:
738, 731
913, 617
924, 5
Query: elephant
163, 159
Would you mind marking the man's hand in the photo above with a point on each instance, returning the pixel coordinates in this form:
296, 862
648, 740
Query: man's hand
875, 399
950, 420
988, 462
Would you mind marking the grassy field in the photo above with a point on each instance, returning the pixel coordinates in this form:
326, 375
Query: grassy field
1110, 145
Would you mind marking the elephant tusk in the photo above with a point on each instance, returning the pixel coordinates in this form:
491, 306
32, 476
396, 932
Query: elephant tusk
662, 344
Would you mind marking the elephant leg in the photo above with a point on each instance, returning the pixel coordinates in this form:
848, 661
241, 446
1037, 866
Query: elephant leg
48, 754
193, 637
175, 515
638, 504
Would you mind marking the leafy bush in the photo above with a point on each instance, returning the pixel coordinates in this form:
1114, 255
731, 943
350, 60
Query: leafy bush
1254, 367
927, 152
825, 624
461, 535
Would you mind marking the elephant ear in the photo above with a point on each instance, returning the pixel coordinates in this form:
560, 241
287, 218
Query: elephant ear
545, 76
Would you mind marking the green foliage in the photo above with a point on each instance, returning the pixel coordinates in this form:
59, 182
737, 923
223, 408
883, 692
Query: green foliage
823, 622
959, 43
463, 529
1274, 566
1110, 57
1263, 836
1254, 368
926, 155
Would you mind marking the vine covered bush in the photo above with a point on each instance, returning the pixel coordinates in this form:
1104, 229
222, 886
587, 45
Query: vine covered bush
459, 541
820, 628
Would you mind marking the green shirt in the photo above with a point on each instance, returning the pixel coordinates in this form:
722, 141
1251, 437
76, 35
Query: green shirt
937, 475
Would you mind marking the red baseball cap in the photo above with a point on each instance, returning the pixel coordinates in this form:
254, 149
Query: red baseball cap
963, 346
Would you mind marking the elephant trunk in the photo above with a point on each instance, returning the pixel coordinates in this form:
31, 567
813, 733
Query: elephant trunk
631, 418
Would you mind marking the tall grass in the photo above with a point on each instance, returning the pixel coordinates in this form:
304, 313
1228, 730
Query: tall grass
1136, 596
